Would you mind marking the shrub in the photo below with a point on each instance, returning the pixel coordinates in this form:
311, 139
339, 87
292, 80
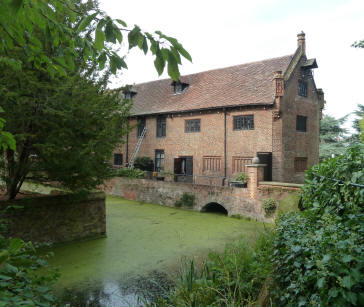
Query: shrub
318, 253
130, 173
187, 200
144, 163
269, 206
241, 177
233, 278
25, 278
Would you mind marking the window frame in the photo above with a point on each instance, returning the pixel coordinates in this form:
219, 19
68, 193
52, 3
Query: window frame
161, 126
189, 126
141, 124
158, 157
300, 127
245, 120
302, 88
118, 157
298, 162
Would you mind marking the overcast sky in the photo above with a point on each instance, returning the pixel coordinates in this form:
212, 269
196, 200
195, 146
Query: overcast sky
225, 33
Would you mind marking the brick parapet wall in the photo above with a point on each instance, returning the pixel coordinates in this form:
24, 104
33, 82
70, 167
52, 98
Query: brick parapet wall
56, 218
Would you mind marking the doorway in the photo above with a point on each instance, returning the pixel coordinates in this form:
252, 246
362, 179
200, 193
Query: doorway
266, 158
183, 169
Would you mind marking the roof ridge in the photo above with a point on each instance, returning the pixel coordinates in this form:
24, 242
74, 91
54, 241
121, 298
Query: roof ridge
217, 69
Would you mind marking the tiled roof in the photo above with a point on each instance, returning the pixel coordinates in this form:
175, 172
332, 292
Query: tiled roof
246, 84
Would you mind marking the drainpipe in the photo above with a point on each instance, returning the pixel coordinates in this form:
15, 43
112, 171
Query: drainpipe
225, 159
127, 143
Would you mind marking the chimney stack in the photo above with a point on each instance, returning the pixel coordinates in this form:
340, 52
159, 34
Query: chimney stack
301, 41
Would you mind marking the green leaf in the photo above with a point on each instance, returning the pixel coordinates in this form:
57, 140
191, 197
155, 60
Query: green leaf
85, 22
172, 67
159, 62
321, 282
348, 282
15, 245
133, 37
145, 45
121, 22
99, 39
4, 256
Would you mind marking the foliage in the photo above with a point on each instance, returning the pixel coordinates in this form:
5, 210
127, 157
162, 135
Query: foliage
358, 44
130, 173
361, 124
88, 37
144, 163
25, 278
318, 253
332, 136
187, 200
241, 177
269, 206
6, 139
233, 278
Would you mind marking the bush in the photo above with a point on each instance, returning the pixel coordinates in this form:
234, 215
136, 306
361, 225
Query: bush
144, 163
130, 173
233, 278
25, 278
187, 200
319, 253
269, 206
241, 177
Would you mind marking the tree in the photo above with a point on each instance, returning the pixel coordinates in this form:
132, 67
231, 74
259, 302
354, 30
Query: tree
89, 37
332, 136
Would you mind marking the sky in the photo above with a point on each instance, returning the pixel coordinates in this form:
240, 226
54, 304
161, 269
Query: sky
225, 33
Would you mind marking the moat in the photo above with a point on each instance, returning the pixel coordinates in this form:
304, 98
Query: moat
145, 246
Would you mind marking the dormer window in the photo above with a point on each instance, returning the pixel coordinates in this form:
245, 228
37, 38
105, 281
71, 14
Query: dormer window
129, 94
179, 87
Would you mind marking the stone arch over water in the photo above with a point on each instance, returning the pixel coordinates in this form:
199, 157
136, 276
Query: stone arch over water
214, 207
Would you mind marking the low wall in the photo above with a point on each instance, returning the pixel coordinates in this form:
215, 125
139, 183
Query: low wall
234, 200
56, 218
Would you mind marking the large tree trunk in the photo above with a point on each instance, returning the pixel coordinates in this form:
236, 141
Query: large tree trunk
16, 169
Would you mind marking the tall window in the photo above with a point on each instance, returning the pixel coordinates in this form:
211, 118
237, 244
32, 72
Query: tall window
244, 122
118, 159
300, 164
159, 160
141, 125
302, 88
192, 125
301, 123
161, 126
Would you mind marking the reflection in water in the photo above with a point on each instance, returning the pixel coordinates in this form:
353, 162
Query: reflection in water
125, 293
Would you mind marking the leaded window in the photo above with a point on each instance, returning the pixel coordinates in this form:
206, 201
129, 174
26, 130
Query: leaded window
118, 159
193, 125
244, 122
302, 88
161, 126
141, 125
301, 123
159, 160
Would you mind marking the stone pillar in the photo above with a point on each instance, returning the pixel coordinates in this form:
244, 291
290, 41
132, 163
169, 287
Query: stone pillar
255, 175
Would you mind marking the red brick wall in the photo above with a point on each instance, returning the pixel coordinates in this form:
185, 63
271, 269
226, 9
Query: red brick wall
208, 142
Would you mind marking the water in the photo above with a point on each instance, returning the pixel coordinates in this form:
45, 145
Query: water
144, 247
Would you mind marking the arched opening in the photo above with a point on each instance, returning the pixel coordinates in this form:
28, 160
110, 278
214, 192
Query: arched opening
214, 208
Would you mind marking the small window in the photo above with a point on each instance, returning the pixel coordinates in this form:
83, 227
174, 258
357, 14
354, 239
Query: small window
129, 94
118, 159
161, 126
300, 164
192, 125
141, 126
179, 87
301, 123
159, 160
212, 164
244, 122
302, 88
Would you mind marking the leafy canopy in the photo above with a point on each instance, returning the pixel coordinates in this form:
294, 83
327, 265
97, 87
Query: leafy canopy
91, 37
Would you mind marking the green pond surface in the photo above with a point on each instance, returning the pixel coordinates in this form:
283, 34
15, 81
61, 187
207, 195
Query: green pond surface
145, 246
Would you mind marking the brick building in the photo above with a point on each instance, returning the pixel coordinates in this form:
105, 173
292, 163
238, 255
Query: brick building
213, 123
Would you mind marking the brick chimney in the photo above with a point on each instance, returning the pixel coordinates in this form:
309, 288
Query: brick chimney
278, 83
301, 41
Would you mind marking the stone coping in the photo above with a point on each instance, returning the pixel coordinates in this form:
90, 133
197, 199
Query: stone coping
281, 184
256, 165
